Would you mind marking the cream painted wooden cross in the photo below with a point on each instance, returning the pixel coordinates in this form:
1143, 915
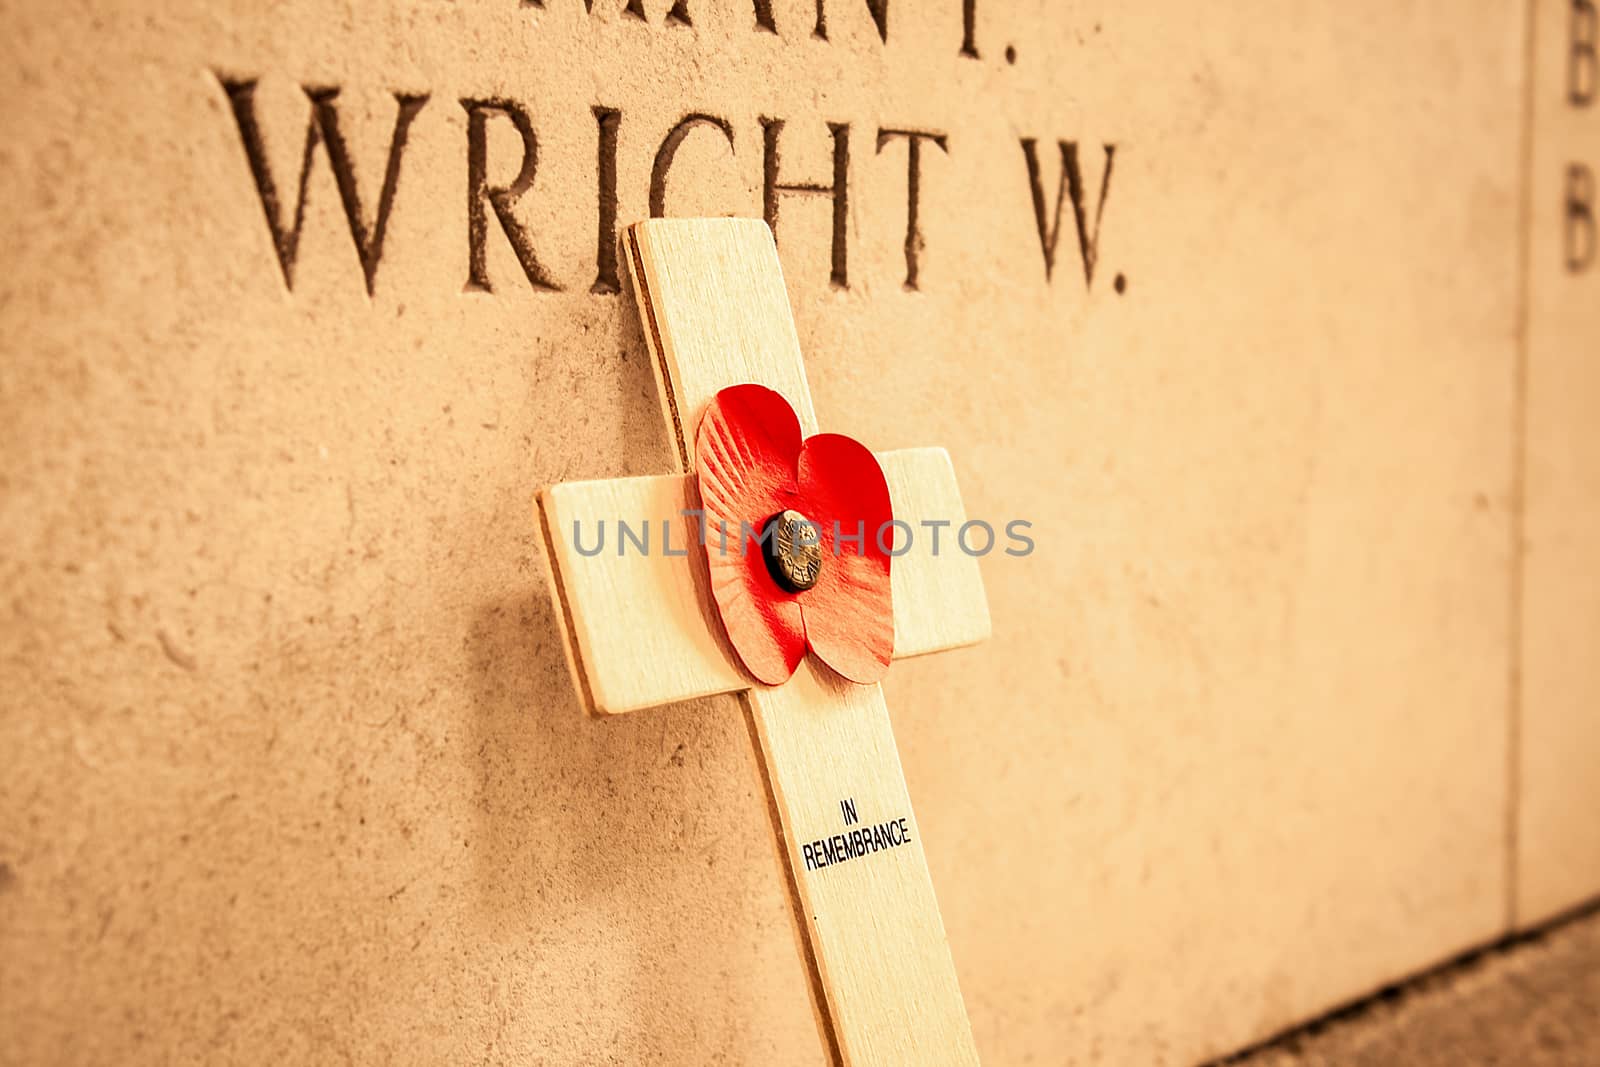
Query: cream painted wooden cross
640, 630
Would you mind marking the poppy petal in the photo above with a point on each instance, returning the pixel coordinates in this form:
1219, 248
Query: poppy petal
849, 613
746, 455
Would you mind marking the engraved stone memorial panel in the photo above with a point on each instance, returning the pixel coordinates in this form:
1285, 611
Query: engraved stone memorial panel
1220, 303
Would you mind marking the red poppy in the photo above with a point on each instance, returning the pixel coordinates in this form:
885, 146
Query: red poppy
795, 536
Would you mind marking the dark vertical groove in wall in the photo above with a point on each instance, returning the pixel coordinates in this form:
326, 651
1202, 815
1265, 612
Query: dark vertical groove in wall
1516, 587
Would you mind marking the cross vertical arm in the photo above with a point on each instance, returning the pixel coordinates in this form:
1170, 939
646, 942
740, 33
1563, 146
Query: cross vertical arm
716, 314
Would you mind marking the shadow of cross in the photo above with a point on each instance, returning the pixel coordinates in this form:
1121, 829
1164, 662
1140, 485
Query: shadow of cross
640, 630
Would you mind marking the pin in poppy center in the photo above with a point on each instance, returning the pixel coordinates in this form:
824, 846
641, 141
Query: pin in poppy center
792, 546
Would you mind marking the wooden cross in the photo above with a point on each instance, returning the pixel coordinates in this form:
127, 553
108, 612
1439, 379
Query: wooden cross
641, 630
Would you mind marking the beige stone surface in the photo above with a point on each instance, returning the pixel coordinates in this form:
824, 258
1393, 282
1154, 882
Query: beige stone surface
1558, 831
293, 769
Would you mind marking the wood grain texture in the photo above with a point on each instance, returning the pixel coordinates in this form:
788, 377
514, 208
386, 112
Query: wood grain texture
873, 922
710, 328
644, 633
939, 602
639, 626
716, 313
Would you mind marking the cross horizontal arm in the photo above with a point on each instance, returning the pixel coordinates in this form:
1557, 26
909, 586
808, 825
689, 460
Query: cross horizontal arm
638, 623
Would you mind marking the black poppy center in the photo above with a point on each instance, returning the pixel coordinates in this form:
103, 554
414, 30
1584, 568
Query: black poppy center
792, 546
